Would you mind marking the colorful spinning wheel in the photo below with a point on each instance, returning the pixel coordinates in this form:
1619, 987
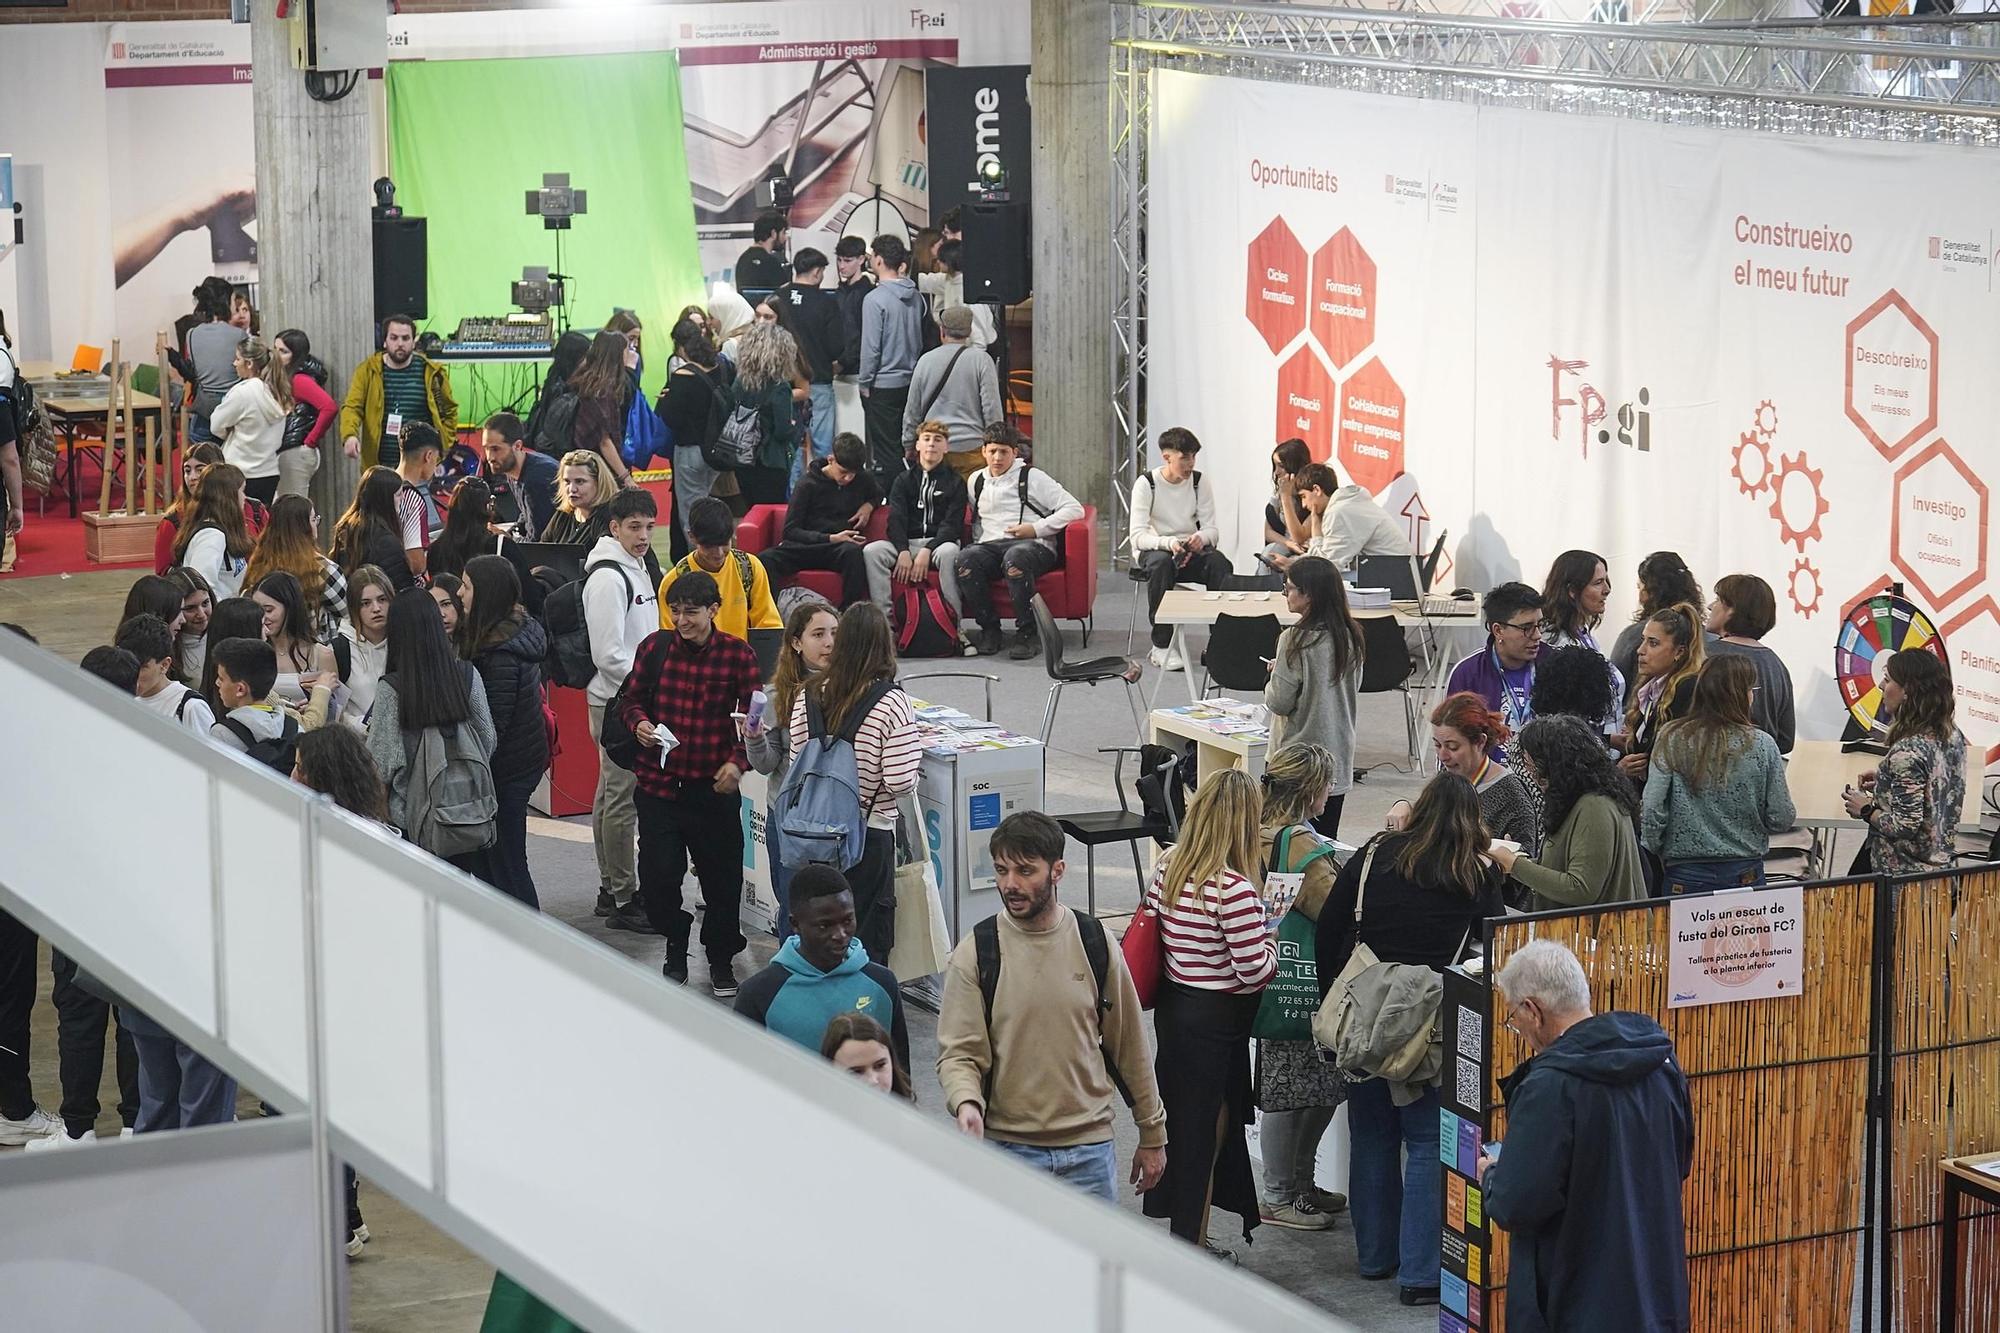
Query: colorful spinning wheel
1886, 623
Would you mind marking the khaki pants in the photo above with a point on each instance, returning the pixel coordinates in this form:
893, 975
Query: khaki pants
614, 822
296, 468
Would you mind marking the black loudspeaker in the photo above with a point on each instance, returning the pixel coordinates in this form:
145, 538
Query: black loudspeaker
998, 267
402, 268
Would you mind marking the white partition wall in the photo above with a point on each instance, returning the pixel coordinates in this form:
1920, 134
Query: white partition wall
448, 1022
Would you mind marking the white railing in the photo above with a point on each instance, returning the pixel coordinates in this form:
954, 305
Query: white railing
632, 1153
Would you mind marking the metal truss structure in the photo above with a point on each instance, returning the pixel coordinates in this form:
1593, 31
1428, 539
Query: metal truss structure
1770, 65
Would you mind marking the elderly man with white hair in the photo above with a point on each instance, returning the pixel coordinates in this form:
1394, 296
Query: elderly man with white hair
1599, 1138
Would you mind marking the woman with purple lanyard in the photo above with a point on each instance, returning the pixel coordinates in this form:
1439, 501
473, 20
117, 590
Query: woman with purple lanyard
1572, 605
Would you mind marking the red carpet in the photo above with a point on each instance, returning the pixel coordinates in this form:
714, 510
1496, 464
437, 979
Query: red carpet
54, 545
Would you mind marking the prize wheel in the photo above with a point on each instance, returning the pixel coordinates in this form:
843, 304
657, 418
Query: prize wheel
1884, 624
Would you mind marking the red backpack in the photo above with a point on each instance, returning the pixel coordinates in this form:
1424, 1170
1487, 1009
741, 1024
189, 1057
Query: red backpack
927, 626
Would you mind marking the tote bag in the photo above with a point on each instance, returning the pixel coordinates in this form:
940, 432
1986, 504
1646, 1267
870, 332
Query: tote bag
1292, 997
1145, 951
923, 944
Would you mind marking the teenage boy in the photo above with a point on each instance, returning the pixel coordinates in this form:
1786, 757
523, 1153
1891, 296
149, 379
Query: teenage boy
956, 384
391, 389
1035, 1070
685, 683
822, 970
245, 671
419, 510
926, 524
850, 268
1018, 514
1347, 524
892, 337
826, 523
114, 666
619, 611
813, 316
1173, 533
523, 481
745, 587
1503, 672
147, 638
761, 267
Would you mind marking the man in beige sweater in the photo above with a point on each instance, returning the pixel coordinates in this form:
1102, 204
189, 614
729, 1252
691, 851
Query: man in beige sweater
1031, 1054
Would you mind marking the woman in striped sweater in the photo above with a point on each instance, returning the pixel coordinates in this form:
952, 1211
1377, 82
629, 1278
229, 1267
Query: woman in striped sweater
1220, 954
860, 682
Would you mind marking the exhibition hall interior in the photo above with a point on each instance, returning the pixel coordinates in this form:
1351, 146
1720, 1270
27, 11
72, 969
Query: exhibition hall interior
1091, 665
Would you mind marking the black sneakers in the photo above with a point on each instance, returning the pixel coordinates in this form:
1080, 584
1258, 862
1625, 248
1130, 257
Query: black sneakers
1027, 644
632, 917
675, 969
987, 640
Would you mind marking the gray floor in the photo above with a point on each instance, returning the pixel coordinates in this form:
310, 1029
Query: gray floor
411, 1279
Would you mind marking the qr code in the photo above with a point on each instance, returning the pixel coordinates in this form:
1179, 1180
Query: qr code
1470, 1090
1471, 1029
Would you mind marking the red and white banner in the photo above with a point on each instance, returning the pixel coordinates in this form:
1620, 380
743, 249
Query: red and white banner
1542, 331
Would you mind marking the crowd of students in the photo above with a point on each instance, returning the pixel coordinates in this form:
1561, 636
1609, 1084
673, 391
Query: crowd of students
405, 675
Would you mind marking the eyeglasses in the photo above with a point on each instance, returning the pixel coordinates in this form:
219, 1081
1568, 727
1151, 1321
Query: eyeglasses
1530, 628
1508, 1021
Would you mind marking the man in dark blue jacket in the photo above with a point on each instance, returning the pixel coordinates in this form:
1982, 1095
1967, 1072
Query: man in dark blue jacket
1599, 1138
822, 970
523, 481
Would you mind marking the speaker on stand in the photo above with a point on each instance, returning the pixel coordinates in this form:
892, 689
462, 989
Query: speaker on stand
998, 266
402, 268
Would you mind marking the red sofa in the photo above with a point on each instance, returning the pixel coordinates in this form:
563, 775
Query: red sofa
1070, 588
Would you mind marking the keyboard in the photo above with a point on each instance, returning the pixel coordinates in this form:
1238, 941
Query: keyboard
517, 337
1438, 604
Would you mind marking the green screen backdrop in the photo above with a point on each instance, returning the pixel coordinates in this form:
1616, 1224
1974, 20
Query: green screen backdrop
469, 138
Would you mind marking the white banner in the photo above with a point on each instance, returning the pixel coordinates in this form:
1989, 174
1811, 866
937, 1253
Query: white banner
1596, 333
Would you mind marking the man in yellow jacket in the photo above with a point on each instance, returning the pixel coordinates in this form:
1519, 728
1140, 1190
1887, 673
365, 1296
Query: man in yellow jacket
745, 587
391, 388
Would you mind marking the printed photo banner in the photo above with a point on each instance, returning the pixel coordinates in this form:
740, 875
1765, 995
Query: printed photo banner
1536, 331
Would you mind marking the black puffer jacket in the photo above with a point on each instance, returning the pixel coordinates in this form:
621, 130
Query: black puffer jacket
511, 670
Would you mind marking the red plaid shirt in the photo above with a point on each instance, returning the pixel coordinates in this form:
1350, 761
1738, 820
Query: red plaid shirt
691, 691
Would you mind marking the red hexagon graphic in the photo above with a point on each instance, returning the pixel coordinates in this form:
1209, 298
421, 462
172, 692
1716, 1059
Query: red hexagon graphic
1892, 374
1937, 528
1371, 427
1972, 641
1306, 405
1342, 317
1275, 288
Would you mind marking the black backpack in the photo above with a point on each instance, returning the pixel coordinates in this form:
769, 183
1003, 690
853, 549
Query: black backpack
275, 752
925, 625
1096, 948
556, 424
568, 661
721, 412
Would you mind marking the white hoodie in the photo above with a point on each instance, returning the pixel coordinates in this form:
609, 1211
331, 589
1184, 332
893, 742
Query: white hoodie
997, 505
251, 425
367, 662
619, 613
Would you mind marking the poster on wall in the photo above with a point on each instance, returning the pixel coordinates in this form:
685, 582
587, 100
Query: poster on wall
1628, 337
181, 152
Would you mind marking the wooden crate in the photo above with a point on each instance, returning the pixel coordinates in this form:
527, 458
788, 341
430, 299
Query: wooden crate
117, 539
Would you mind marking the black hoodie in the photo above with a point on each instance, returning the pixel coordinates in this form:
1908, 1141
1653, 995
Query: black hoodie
1600, 1136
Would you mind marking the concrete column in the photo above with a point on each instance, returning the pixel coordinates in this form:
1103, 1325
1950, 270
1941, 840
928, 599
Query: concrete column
1071, 93
315, 253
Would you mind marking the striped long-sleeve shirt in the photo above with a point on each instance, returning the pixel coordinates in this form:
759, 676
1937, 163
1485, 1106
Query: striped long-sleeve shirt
1216, 939
885, 753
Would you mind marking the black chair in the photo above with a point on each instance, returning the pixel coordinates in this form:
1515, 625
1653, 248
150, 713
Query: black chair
1386, 665
1154, 819
1089, 671
1397, 573
1238, 647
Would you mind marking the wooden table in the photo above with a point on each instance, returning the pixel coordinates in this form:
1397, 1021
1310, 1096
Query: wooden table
1962, 1176
1815, 773
1214, 751
65, 412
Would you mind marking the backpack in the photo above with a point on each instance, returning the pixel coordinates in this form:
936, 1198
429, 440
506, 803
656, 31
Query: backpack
1096, 948
620, 742
568, 661
1027, 506
557, 425
740, 441
275, 752
927, 626
450, 805
646, 435
741, 559
33, 431
721, 412
1366, 1029
819, 810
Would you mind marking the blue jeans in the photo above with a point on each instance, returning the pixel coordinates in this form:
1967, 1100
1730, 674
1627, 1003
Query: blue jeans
822, 432
1702, 876
1394, 1204
177, 1088
1093, 1167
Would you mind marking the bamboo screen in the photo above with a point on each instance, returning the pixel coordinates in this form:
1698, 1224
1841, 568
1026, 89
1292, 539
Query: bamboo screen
1943, 1087
1774, 1204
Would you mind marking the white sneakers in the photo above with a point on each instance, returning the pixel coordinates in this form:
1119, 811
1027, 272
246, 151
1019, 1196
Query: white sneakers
1166, 659
61, 1139
36, 1125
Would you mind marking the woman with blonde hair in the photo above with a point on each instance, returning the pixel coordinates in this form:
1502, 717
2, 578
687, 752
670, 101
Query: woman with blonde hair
1296, 1090
250, 420
770, 378
581, 500
1220, 955
291, 544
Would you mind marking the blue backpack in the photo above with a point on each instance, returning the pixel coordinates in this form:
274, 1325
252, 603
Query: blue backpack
645, 434
819, 810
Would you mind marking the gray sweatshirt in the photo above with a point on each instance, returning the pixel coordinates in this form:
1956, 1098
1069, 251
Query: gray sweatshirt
892, 334
1315, 707
385, 739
